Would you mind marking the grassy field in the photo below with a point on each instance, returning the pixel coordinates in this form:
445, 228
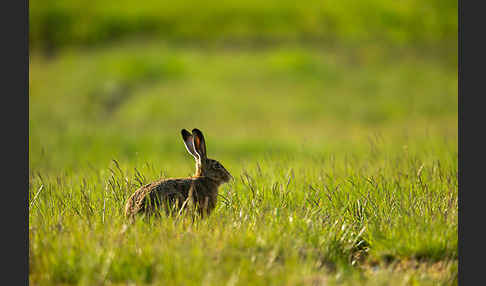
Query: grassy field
344, 158
338, 122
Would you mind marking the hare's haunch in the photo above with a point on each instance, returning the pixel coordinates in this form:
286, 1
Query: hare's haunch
200, 190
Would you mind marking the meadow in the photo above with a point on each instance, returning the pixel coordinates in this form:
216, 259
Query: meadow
344, 152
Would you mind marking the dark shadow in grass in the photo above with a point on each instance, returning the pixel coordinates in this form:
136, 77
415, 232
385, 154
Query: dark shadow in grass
388, 259
121, 79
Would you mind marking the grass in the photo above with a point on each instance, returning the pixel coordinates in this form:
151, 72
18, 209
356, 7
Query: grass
345, 162
55, 24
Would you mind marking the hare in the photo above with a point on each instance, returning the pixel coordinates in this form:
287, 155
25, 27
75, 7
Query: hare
200, 190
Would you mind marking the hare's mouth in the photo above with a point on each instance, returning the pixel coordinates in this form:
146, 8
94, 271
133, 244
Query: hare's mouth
229, 177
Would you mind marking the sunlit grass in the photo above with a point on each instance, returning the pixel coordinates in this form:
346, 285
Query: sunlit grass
345, 166
279, 222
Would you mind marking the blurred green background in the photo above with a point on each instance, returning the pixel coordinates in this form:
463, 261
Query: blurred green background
119, 79
338, 120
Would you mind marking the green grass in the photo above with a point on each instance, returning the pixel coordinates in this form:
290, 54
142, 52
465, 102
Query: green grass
345, 162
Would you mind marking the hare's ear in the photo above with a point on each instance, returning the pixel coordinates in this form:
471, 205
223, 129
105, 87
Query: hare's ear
199, 143
189, 143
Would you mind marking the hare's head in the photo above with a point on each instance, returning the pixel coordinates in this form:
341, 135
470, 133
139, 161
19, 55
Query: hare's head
206, 167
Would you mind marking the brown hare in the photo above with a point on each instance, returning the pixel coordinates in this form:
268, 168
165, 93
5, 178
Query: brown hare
200, 191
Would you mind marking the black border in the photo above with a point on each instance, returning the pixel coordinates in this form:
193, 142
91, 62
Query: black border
471, 65
14, 25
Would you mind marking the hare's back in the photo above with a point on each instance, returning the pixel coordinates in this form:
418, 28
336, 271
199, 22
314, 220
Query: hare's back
166, 190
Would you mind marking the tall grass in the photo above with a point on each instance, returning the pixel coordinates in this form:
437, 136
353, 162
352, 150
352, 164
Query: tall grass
281, 221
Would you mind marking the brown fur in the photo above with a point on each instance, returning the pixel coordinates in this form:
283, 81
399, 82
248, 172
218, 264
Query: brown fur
200, 191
